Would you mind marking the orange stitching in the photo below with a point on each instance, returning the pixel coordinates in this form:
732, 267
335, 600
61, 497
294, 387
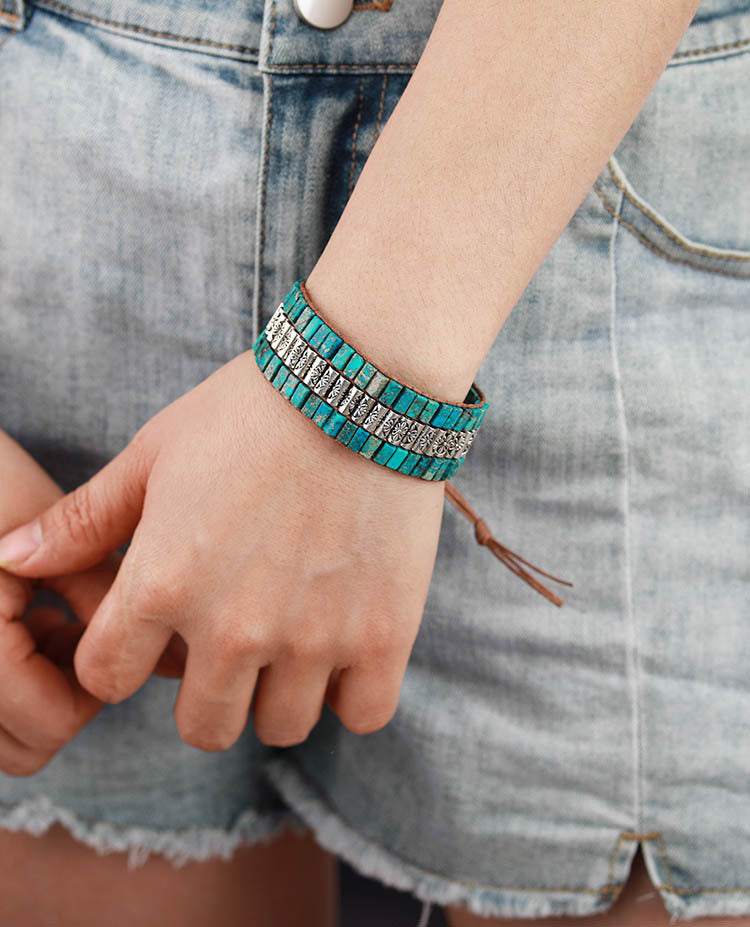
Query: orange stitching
676, 238
659, 251
711, 48
380, 108
144, 30
382, 5
360, 103
344, 67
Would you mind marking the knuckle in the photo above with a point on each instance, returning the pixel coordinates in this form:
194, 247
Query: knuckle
98, 680
157, 594
76, 516
234, 639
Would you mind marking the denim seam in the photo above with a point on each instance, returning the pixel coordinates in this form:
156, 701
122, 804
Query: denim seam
142, 30
360, 106
632, 655
678, 57
261, 226
649, 244
682, 242
380, 107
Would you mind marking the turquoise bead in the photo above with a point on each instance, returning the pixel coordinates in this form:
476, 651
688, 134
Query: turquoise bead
303, 318
340, 358
311, 405
271, 368
290, 385
354, 366
359, 438
281, 375
416, 407
404, 400
330, 345
384, 453
299, 396
390, 393
370, 446
324, 410
334, 423
377, 383
430, 408
440, 419
365, 375
397, 458
312, 326
321, 333
347, 432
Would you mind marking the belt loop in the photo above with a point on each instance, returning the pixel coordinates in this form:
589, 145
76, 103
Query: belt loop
14, 14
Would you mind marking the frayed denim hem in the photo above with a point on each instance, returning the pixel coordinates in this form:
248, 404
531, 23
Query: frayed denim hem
378, 862
36, 815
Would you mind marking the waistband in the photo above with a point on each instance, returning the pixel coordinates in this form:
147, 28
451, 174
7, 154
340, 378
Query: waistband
382, 35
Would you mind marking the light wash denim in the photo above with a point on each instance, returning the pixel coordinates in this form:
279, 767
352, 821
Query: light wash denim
168, 170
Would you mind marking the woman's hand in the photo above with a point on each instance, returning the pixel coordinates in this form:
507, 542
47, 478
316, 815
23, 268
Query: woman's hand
289, 564
42, 704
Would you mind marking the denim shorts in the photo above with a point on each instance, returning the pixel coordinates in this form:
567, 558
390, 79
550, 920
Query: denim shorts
168, 170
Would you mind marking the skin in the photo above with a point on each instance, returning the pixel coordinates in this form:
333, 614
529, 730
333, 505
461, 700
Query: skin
43, 706
247, 539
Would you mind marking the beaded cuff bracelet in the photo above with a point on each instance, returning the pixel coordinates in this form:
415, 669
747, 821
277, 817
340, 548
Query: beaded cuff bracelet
347, 396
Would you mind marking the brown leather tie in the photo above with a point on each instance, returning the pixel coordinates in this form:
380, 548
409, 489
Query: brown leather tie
503, 553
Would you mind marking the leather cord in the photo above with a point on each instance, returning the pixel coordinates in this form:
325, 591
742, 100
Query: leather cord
506, 555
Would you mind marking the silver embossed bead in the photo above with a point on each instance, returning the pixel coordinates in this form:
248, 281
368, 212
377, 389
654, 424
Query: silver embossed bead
383, 430
362, 407
350, 400
415, 429
374, 416
315, 372
275, 339
424, 440
298, 349
304, 362
337, 390
329, 375
400, 430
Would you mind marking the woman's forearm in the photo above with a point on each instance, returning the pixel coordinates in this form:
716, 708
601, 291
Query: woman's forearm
510, 115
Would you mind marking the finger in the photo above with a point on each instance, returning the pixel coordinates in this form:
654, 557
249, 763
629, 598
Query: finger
289, 700
213, 703
39, 704
365, 696
82, 527
16, 594
85, 590
120, 648
17, 759
43, 621
172, 662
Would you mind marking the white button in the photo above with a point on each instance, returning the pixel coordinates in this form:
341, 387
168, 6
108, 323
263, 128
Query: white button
324, 14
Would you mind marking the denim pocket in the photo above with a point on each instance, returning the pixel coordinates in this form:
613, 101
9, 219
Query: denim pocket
681, 169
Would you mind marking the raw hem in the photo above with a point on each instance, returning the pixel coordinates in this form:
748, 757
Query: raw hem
377, 862
36, 815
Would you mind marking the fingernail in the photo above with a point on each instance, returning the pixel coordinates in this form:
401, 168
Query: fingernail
20, 544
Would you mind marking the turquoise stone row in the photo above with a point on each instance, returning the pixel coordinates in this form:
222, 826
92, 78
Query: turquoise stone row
396, 396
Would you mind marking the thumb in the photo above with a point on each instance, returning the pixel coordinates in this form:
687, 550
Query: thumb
82, 527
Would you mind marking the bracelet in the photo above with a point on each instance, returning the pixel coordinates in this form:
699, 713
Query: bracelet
352, 400
307, 361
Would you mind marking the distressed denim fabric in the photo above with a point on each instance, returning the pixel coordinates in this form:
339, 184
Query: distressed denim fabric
169, 169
